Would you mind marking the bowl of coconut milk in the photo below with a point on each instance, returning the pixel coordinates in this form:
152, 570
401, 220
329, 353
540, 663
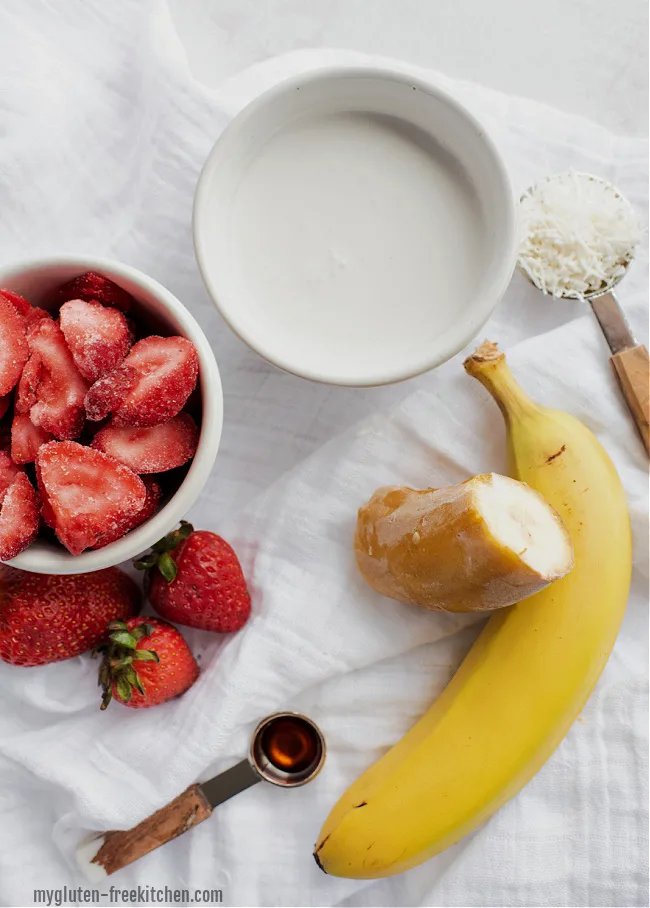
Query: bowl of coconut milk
355, 226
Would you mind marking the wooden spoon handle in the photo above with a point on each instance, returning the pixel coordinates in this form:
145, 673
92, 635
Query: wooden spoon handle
113, 850
633, 373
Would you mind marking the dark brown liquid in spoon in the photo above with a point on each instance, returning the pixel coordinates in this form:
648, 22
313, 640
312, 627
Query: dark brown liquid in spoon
290, 744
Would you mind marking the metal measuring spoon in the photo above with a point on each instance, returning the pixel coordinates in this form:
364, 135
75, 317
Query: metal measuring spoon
629, 359
287, 749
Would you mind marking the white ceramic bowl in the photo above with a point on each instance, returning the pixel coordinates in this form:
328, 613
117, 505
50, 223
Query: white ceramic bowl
36, 280
355, 226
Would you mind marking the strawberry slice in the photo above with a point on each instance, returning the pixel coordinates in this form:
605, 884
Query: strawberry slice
108, 392
31, 314
20, 304
98, 338
28, 384
8, 472
52, 390
160, 373
151, 449
87, 493
5, 437
149, 508
46, 508
13, 346
93, 286
150, 386
19, 518
5, 403
26, 439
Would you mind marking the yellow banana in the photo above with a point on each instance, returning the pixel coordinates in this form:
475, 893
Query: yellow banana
525, 679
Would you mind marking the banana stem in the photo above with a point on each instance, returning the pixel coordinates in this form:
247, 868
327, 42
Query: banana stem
488, 365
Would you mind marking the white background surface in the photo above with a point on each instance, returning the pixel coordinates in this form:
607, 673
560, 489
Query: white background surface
103, 135
588, 57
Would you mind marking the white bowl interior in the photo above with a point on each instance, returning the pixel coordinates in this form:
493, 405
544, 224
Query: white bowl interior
162, 312
355, 227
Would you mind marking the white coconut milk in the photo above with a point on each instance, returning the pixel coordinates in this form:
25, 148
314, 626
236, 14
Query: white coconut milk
355, 233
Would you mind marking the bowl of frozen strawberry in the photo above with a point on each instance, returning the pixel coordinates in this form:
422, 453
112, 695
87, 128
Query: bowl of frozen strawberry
110, 413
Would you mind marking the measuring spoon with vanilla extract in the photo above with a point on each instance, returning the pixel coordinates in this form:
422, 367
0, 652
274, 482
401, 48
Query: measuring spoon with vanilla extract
287, 750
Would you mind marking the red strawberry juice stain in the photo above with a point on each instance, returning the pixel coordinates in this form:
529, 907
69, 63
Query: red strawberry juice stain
290, 743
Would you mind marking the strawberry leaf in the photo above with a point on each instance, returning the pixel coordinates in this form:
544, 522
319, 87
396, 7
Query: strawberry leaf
185, 531
123, 689
123, 638
142, 630
116, 626
145, 655
159, 556
167, 567
144, 564
134, 680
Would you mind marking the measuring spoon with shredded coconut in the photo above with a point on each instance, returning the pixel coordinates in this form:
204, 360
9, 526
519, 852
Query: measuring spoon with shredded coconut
578, 237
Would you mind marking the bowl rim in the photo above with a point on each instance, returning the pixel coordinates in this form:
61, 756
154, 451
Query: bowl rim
141, 538
480, 307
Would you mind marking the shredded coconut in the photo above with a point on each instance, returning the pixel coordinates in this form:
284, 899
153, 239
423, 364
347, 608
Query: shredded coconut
578, 235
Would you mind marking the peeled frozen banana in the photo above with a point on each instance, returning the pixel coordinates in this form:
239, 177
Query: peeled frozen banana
479, 545
524, 680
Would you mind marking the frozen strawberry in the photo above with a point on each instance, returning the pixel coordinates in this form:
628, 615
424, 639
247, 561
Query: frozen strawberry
148, 510
5, 403
13, 346
30, 314
8, 472
88, 493
46, 508
20, 304
108, 392
28, 384
150, 386
93, 286
26, 439
5, 437
98, 338
19, 517
152, 449
53, 392
36, 315
167, 369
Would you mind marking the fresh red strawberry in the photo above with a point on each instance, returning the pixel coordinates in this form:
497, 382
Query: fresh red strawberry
30, 314
130, 523
200, 583
5, 403
145, 662
8, 472
86, 494
93, 286
51, 389
150, 386
19, 517
99, 338
46, 618
26, 439
13, 346
153, 449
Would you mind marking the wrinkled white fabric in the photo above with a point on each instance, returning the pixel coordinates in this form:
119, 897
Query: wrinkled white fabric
103, 133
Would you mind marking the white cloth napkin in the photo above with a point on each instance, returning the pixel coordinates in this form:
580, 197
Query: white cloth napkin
103, 134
